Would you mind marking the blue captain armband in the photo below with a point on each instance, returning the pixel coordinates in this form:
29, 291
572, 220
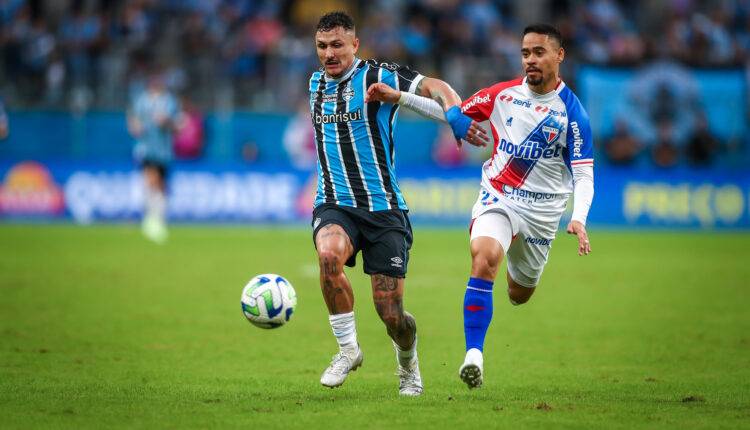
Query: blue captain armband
459, 122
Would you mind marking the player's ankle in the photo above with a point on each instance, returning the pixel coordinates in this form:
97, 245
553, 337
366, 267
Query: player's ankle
350, 349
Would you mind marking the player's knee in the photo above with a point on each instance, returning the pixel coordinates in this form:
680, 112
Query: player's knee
389, 310
331, 262
485, 264
519, 295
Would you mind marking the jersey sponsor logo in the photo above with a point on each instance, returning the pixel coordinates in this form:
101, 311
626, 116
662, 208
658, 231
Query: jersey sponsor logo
339, 117
557, 113
523, 103
538, 241
529, 150
528, 105
476, 101
577, 139
530, 196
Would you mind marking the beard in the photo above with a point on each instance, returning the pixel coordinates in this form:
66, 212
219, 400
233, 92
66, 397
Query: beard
535, 81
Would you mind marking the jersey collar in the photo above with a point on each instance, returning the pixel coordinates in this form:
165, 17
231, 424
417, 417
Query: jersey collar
558, 88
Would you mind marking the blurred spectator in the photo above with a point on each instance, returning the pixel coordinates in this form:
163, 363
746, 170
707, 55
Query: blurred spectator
242, 54
4, 125
662, 107
299, 139
261, 46
664, 151
250, 152
80, 35
445, 153
703, 145
189, 131
622, 147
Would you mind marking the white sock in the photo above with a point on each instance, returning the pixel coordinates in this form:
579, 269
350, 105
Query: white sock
406, 357
156, 204
345, 331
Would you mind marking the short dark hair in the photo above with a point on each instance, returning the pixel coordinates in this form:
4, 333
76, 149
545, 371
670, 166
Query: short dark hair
545, 29
335, 19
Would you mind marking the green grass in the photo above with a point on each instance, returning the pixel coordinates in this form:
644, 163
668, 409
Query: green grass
101, 329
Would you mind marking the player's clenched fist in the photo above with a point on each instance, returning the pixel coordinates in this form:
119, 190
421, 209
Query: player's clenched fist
380, 92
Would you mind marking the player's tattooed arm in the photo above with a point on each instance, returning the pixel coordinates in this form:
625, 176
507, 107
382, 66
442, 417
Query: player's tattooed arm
439, 91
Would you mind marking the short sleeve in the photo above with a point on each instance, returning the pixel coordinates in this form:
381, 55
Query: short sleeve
399, 77
479, 106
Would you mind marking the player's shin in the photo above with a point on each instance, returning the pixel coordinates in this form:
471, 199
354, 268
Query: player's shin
477, 312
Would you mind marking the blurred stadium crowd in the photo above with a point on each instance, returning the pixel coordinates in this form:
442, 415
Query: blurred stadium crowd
257, 55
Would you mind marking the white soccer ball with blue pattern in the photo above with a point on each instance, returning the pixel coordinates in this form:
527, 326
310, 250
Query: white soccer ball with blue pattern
268, 301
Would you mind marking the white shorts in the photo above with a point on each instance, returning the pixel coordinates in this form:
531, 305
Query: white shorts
525, 224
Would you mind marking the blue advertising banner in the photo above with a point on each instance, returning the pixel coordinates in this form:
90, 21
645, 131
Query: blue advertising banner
87, 192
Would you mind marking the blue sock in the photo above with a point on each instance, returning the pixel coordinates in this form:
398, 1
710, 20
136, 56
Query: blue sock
477, 312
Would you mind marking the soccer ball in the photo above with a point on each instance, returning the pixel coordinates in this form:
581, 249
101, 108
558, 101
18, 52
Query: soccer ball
268, 301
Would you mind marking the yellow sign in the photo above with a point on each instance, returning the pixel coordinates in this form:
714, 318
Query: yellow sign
445, 198
683, 203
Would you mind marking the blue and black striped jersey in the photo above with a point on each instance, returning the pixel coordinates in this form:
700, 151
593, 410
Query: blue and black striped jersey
355, 139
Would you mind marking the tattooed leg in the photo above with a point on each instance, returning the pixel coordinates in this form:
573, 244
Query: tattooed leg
334, 248
387, 292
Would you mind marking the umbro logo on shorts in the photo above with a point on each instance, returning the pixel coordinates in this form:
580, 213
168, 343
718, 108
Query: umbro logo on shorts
316, 223
397, 262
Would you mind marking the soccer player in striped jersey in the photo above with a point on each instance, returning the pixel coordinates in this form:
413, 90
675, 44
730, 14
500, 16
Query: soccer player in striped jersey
152, 121
358, 204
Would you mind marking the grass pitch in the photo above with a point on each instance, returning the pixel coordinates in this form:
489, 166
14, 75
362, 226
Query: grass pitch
101, 329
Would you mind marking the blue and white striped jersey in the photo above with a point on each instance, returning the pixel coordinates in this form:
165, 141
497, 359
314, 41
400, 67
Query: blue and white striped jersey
354, 139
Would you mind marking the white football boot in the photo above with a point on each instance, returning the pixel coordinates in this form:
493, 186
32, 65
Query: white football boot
341, 364
154, 229
410, 380
472, 370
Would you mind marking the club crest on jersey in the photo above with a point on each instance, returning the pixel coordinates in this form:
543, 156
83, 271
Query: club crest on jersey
348, 92
550, 133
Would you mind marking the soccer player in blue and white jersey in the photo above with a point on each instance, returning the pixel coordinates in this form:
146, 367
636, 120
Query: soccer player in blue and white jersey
151, 121
543, 151
358, 205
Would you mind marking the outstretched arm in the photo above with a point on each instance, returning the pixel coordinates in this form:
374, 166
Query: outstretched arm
436, 100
